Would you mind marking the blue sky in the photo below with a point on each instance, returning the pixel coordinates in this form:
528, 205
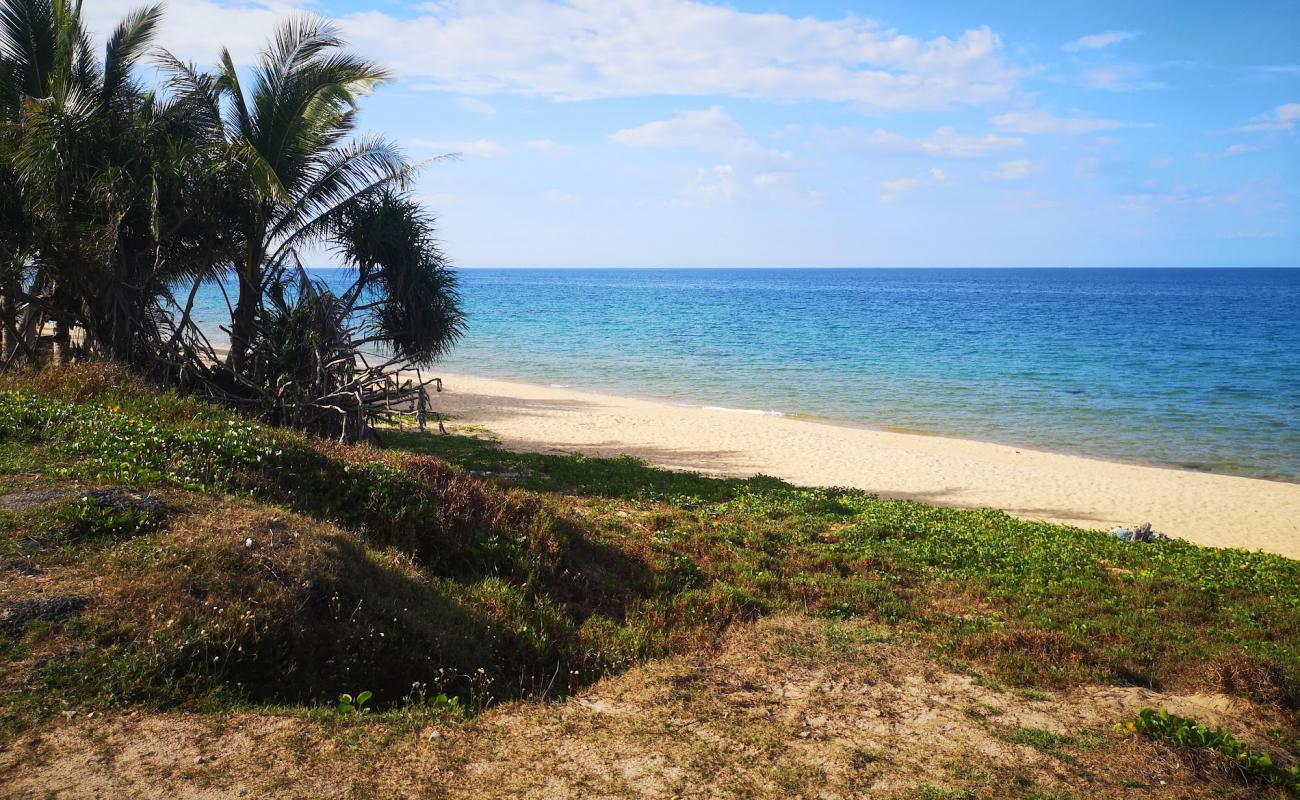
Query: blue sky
679, 133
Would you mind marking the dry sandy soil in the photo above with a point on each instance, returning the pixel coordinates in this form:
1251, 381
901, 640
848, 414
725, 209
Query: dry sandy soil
1215, 510
787, 707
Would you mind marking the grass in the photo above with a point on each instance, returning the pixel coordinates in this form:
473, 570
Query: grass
1042, 605
289, 571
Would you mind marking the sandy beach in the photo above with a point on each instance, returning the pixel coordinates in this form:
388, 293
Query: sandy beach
1216, 510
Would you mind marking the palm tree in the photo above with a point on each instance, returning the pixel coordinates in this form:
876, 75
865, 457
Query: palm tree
290, 137
105, 178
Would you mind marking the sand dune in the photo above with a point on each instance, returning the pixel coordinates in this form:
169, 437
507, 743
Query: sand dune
1216, 510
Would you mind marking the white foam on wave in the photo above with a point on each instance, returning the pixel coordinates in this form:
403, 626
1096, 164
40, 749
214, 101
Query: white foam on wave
756, 411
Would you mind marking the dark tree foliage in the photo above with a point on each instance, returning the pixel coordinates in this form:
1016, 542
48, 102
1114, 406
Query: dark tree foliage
119, 201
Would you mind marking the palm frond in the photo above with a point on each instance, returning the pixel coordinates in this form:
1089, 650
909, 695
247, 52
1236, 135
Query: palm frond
125, 47
28, 40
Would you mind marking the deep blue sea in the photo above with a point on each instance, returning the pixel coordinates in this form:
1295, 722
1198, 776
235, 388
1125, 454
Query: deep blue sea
1195, 368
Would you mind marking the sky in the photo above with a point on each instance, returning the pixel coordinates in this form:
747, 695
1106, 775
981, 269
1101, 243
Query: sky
677, 133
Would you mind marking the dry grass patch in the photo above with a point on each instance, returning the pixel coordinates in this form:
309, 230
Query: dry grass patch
787, 707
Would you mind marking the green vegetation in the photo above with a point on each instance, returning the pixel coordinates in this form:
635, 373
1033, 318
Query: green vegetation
445, 573
354, 705
119, 200
1253, 765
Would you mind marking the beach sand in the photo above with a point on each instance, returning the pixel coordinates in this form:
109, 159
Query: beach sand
1217, 510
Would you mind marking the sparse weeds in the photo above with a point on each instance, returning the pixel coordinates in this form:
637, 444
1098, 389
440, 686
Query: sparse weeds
348, 704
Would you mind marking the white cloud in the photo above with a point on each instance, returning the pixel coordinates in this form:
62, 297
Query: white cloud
711, 129
1013, 170
476, 106
550, 147
1042, 122
710, 187
1283, 118
943, 143
1163, 162
1097, 41
481, 148
892, 191
586, 49
196, 30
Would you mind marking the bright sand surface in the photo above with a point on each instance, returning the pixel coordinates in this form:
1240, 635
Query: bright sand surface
1216, 510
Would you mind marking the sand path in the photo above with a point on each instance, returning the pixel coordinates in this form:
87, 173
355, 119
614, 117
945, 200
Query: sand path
1208, 509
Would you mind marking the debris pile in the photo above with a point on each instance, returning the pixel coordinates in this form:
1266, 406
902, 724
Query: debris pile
1142, 533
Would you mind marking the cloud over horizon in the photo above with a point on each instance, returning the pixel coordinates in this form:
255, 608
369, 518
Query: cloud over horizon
670, 130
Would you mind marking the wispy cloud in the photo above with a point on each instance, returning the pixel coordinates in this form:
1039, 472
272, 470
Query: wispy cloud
480, 148
891, 191
1121, 78
1252, 195
1044, 123
1097, 41
943, 143
1012, 170
711, 129
1283, 118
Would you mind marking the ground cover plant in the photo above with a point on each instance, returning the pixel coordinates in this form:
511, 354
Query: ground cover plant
447, 574
1235, 756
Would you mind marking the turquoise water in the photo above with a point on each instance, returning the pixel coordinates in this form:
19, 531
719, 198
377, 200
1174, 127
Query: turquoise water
1192, 368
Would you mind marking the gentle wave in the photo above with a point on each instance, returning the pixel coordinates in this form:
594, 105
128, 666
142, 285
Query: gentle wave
756, 411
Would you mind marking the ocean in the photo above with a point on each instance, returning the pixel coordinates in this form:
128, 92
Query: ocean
1191, 368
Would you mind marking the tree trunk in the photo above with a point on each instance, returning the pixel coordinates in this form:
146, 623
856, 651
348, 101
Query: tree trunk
8, 324
243, 321
62, 342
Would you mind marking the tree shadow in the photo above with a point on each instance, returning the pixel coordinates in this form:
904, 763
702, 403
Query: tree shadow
614, 476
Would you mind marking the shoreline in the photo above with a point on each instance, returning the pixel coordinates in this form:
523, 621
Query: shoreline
1206, 508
